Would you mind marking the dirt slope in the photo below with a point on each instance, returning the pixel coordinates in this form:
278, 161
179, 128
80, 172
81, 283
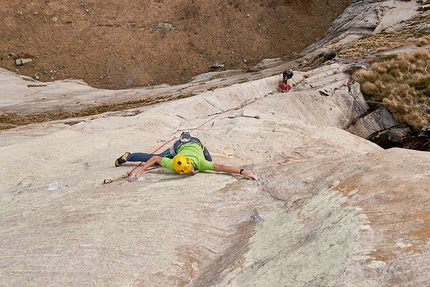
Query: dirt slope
133, 43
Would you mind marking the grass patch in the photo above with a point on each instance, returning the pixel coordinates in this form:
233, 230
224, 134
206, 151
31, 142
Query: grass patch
402, 84
416, 34
8, 121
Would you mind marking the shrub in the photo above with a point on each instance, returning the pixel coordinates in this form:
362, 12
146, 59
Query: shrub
421, 84
369, 89
417, 55
364, 75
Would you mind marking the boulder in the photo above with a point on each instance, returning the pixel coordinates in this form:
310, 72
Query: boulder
21, 61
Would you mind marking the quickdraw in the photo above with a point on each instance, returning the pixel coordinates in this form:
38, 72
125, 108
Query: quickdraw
112, 179
109, 180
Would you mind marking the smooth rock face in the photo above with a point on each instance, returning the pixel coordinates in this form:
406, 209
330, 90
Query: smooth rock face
330, 208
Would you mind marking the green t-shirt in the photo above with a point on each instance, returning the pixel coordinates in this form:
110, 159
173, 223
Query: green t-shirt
195, 153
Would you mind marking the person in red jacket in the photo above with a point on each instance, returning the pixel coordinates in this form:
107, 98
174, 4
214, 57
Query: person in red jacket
283, 85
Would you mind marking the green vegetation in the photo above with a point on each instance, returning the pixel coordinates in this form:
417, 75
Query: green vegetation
402, 84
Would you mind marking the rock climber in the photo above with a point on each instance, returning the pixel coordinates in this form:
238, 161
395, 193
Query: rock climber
282, 85
286, 75
186, 156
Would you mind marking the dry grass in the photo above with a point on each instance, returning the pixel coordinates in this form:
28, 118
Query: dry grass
402, 84
369, 45
8, 121
416, 34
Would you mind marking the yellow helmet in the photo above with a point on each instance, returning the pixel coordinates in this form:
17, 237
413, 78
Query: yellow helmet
182, 164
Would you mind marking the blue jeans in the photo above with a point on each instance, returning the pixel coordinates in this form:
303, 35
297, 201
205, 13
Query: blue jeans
169, 153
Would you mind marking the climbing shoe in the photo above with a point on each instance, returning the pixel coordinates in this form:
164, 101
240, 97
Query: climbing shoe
119, 161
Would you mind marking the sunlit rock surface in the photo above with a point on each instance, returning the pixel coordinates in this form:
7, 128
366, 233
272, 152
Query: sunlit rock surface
330, 208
